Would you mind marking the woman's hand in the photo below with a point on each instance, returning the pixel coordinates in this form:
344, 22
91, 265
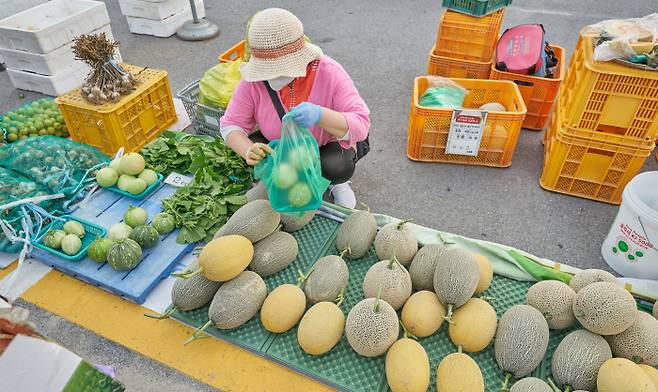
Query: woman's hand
256, 153
307, 114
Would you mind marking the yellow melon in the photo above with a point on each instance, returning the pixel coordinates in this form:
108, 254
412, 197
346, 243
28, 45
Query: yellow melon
458, 372
423, 314
321, 328
225, 257
407, 367
283, 308
473, 325
622, 375
486, 273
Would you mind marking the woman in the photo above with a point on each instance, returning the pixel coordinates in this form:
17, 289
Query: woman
285, 71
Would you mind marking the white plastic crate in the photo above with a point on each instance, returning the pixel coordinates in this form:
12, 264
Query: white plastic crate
154, 11
50, 85
167, 27
59, 60
11, 7
52, 25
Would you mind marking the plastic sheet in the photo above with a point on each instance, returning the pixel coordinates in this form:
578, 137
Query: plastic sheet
217, 85
443, 93
624, 38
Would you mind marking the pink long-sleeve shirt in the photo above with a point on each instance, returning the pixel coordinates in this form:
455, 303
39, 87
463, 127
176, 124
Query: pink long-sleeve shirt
333, 89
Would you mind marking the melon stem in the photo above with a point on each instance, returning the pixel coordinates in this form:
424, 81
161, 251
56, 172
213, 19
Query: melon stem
406, 332
459, 349
365, 205
486, 298
402, 223
164, 315
344, 252
448, 316
567, 389
503, 387
340, 298
197, 250
554, 387
187, 274
379, 295
197, 333
301, 278
444, 242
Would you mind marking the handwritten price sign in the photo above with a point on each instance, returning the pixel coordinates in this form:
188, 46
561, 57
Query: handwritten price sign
465, 133
178, 180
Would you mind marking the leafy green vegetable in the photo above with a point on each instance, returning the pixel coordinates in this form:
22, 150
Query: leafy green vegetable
204, 205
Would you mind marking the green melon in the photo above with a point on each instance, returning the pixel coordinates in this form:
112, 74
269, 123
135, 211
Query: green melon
356, 234
327, 280
531, 384
396, 240
577, 359
639, 342
589, 276
237, 301
554, 299
372, 326
193, 293
455, 278
294, 222
145, 235
274, 253
393, 279
605, 308
124, 254
423, 265
254, 220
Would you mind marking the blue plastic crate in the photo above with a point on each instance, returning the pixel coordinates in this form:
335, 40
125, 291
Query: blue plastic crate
139, 196
92, 231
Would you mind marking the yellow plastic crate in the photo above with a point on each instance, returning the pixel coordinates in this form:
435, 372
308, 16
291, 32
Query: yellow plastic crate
455, 68
608, 97
134, 121
466, 37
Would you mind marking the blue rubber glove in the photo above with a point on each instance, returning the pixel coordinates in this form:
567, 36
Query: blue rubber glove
307, 114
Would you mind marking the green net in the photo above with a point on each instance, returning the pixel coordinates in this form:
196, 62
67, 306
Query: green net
61, 165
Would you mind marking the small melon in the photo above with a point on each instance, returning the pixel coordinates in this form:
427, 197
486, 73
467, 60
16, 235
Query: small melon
577, 359
423, 314
521, 340
605, 308
237, 301
321, 328
372, 326
458, 372
455, 278
473, 325
423, 265
274, 253
622, 375
639, 342
293, 222
531, 384
486, 273
652, 372
193, 293
393, 279
225, 257
407, 367
254, 220
258, 192
327, 280
396, 240
356, 234
554, 299
589, 276
283, 308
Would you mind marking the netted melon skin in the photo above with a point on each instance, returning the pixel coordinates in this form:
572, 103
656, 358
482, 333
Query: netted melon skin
237, 300
554, 299
400, 243
371, 333
423, 265
531, 384
254, 220
456, 277
577, 359
291, 222
257, 192
589, 276
356, 233
639, 342
394, 281
193, 293
521, 340
274, 253
327, 280
605, 308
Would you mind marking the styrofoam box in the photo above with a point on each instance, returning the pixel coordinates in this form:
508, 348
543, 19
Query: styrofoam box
51, 25
59, 60
167, 27
11, 7
155, 11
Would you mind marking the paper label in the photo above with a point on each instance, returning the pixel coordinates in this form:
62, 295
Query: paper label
178, 180
465, 133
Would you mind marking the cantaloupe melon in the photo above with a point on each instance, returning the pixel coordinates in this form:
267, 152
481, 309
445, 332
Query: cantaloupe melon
356, 234
521, 340
455, 278
589, 276
652, 372
225, 257
396, 240
577, 359
320, 328
554, 299
423, 313
531, 384
407, 367
423, 265
193, 293
283, 308
274, 253
639, 342
327, 280
257, 192
293, 222
393, 279
486, 273
372, 326
458, 372
254, 220
473, 325
622, 375
605, 308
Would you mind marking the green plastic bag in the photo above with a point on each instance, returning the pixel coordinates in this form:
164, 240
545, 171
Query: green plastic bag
443, 97
218, 83
292, 174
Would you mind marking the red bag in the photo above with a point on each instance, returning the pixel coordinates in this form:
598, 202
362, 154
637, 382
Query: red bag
521, 50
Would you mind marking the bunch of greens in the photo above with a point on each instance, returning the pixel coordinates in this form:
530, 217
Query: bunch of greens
183, 153
204, 205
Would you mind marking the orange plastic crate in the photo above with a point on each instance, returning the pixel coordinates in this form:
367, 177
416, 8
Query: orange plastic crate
452, 68
608, 97
539, 94
135, 120
428, 127
466, 37
591, 166
234, 53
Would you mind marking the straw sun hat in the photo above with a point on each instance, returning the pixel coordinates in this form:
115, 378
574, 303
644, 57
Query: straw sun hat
278, 48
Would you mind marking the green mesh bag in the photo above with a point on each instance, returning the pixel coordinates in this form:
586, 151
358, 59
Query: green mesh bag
61, 165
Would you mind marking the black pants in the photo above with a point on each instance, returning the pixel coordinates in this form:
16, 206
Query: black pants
338, 164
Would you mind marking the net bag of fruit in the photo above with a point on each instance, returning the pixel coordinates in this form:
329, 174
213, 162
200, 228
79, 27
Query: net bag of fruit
61, 165
292, 174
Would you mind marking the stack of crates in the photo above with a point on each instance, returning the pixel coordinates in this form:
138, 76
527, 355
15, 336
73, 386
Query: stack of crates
160, 18
466, 38
604, 126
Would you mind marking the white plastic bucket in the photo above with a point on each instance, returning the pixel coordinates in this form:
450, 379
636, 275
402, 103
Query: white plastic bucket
631, 247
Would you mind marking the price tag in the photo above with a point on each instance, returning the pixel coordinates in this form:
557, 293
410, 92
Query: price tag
465, 133
178, 180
